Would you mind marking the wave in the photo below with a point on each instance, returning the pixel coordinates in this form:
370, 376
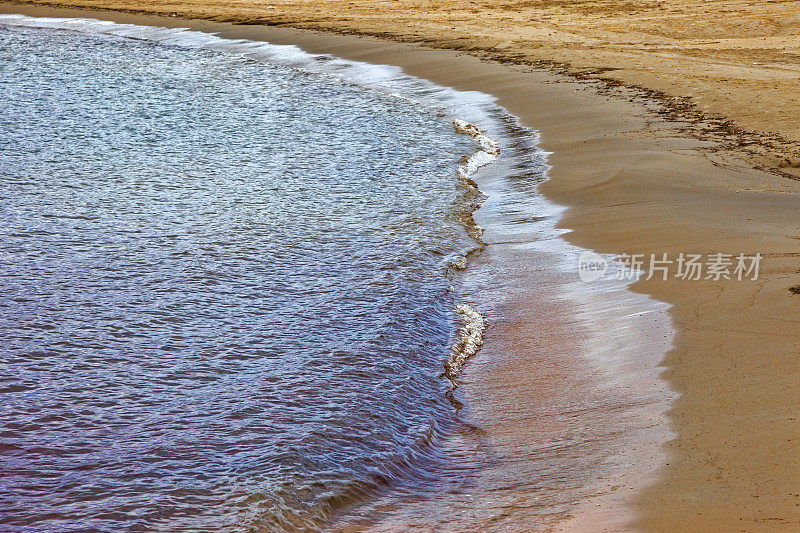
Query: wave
477, 111
488, 150
470, 341
480, 118
473, 324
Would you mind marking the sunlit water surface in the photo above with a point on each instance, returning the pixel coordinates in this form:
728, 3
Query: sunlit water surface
223, 288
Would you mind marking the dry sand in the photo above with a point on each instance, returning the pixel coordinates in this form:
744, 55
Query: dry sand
634, 182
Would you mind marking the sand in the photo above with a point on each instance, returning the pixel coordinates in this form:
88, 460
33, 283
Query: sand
635, 181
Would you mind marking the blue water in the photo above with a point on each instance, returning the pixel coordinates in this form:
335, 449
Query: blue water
224, 288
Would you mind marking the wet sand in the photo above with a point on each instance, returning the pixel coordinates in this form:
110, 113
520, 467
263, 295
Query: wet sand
633, 182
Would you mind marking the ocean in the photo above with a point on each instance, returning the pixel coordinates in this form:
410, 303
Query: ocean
234, 286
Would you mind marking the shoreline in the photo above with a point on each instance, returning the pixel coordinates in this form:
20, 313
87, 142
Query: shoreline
633, 184
729, 79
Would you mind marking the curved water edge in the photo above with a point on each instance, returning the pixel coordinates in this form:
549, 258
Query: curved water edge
473, 324
472, 115
512, 212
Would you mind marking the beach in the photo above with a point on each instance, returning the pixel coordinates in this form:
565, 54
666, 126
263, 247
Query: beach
634, 180
731, 66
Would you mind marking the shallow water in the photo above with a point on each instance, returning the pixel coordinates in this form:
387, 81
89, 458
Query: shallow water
229, 287
224, 295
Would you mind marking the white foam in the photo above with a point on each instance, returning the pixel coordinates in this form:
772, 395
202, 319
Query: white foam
487, 153
470, 341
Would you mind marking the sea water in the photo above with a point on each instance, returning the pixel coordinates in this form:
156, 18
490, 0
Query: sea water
228, 280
